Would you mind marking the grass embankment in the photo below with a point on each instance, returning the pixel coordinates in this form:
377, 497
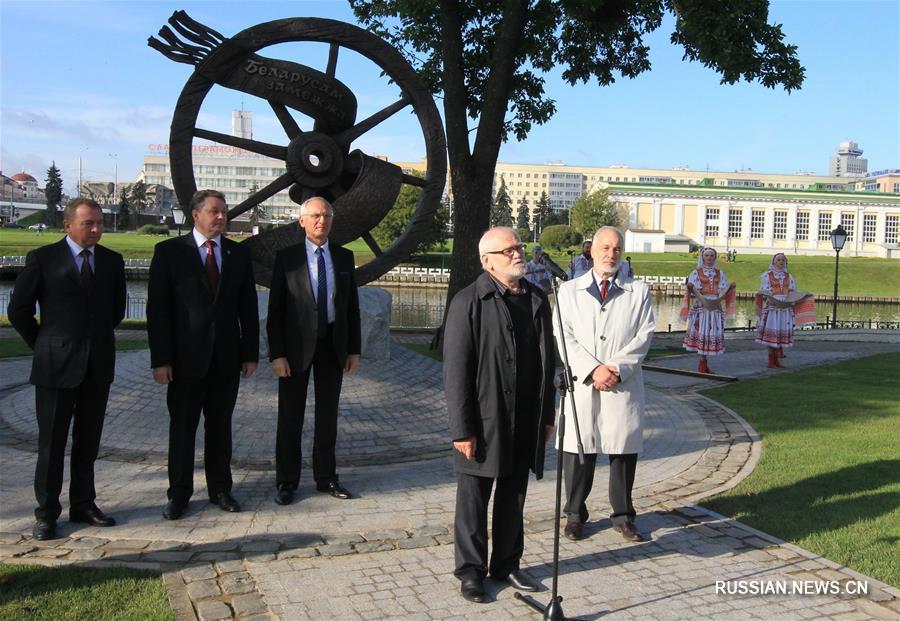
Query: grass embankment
858, 276
828, 478
75, 593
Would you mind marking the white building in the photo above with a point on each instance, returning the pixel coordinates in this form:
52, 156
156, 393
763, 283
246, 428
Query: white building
847, 162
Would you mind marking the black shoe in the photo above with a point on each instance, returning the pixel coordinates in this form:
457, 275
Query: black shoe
91, 515
44, 530
284, 495
518, 580
629, 532
175, 509
335, 489
226, 502
472, 589
572, 530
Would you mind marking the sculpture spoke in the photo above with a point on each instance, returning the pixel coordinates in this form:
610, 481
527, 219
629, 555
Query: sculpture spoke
349, 135
371, 243
413, 180
282, 182
332, 59
263, 148
287, 121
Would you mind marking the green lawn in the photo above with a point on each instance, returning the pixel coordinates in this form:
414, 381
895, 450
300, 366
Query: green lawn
858, 276
829, 477
11, 347
72, 593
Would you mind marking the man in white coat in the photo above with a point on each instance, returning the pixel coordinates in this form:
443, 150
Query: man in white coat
607, 323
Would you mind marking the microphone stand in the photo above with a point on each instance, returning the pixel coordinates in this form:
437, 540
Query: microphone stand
565, 382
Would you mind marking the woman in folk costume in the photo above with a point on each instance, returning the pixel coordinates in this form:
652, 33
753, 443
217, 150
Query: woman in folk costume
778, 307
706, 287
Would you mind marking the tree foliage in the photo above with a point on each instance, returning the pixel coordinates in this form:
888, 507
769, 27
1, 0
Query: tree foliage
399, 217
541, 210
523, 214
559, 237
138, 198
53, 194
124, 222
591, 211
501, 208
488, 59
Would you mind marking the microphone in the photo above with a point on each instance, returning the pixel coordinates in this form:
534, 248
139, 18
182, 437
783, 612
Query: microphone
553, 268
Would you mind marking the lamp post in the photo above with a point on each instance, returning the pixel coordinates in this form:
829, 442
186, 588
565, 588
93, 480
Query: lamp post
115, 192
178, 217
838, 239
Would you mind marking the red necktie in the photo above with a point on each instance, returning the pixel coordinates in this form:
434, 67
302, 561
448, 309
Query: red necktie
212, 269
604, 289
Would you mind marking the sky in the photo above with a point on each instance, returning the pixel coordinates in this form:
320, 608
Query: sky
80, 87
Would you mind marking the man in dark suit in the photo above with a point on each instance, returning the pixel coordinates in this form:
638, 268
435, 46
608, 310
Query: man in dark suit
498, 380
203, 327
313, 325
80, 287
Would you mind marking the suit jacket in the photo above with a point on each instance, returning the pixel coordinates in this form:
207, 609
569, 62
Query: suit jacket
292, 325
75, 333
616, 331
480, 378
194, 329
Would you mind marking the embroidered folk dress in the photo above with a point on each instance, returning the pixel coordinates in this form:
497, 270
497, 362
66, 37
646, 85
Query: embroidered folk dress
775, 326
705, 332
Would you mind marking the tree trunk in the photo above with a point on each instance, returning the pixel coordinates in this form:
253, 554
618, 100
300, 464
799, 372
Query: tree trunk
471, 218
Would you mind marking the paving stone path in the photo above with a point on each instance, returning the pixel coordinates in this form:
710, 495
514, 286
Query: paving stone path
388, 553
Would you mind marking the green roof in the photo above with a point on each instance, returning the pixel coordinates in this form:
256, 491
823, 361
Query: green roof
775, 193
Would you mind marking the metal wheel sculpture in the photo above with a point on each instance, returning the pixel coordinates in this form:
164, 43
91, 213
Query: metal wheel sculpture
318, 162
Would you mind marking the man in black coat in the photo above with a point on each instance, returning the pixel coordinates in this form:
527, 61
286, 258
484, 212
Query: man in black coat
499, 362
313, 325
80, 287
203, 328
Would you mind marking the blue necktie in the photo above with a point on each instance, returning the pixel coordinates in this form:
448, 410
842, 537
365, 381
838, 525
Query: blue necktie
322, 295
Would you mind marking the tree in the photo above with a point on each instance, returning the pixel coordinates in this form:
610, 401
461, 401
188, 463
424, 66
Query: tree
138, 198
501, 208
522, 217
541, 211
591, 211
555, 218
560, 236
398, 218
124, 211
258, 211
487, 60
52, 194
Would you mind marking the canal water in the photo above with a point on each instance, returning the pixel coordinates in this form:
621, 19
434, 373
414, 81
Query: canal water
424, 307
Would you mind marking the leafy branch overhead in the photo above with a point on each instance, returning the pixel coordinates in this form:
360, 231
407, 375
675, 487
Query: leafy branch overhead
588, 39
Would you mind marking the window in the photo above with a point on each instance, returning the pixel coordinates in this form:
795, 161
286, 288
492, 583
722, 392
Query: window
897, 188
734, 222
757, 223
847, 221
869, 227
824, 227
890, 230
712, 221
802, 225
779, 230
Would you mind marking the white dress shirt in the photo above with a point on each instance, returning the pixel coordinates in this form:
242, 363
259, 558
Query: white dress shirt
199, 239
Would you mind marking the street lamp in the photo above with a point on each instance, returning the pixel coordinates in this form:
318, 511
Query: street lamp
178, 217
838, 239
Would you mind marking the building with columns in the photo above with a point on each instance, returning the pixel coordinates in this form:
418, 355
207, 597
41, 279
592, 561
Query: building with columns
761, 220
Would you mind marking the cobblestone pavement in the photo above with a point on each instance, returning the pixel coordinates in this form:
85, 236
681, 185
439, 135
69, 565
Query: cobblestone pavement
388, 553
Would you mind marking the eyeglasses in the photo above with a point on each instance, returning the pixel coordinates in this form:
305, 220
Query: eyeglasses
509, 252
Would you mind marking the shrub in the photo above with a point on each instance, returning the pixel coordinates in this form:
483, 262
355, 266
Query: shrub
154, 229
559, 236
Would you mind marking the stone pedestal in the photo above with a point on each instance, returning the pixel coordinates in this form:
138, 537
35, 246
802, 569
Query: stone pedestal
375, 317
